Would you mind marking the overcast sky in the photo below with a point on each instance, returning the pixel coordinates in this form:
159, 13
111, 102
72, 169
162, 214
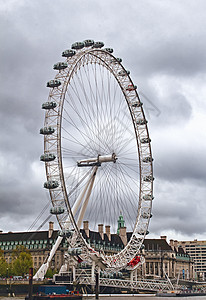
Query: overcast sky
163, 44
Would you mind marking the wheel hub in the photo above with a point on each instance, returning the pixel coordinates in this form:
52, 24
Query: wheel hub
90, 162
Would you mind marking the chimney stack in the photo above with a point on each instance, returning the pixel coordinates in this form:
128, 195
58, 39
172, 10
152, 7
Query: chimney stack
51, 229
175, 243
163, 237
101, 231
86, 227
123, 235
107, 231
172, 244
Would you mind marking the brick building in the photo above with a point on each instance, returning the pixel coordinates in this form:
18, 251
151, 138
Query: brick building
161, 258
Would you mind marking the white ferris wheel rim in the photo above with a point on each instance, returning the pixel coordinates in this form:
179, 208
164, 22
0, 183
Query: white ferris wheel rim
53, 144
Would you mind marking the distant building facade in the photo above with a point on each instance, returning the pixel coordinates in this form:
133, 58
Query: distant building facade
197, 251
161, 259
164, 261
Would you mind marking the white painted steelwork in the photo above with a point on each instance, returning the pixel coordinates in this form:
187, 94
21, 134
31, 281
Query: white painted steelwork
95, 116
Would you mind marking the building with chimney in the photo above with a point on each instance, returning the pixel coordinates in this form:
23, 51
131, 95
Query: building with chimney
197, 251
161, 259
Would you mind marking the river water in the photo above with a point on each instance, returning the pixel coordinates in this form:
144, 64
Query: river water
124, 297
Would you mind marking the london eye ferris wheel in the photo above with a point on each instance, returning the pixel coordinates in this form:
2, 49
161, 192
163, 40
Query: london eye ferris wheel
97, 149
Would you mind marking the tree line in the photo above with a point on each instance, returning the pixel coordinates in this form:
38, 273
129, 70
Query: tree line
19, 264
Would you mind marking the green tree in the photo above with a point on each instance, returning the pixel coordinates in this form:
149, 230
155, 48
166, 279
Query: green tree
22, 263
3, 265
50, 273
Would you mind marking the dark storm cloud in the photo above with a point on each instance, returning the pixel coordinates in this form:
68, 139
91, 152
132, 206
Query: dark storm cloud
162, 43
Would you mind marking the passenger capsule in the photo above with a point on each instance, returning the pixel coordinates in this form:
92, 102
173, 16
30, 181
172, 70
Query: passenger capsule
147, 159
47, 157
141, 122
51, 184
53, 83
57, 210
131, 87
88, 43
66, 233
47, 130
68, 53
116, 60
123, 73
137, 104
145, 140
74, 251
110, 50
148, 197
141, 232
145, 215
49, 105
60, 66
98, 45
148, 178
77, 45
142, 247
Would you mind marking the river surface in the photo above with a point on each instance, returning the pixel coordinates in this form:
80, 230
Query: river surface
124, 297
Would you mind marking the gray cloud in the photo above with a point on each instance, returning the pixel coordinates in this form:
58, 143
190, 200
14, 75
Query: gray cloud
162, 43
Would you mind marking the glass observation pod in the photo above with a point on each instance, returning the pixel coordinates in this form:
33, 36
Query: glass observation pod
47, 130
148, 197
65, 233
47, 157
51, 184
68, 53
57, 210
142, 232
60, 65
146, 215
124, 73
98, 45
53, 83
74, 251
77, 45
137, 104
147, 159
141, 122
145, 140
131, 87
148, 178
88, 43
110, 50
116, 60
49, 105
